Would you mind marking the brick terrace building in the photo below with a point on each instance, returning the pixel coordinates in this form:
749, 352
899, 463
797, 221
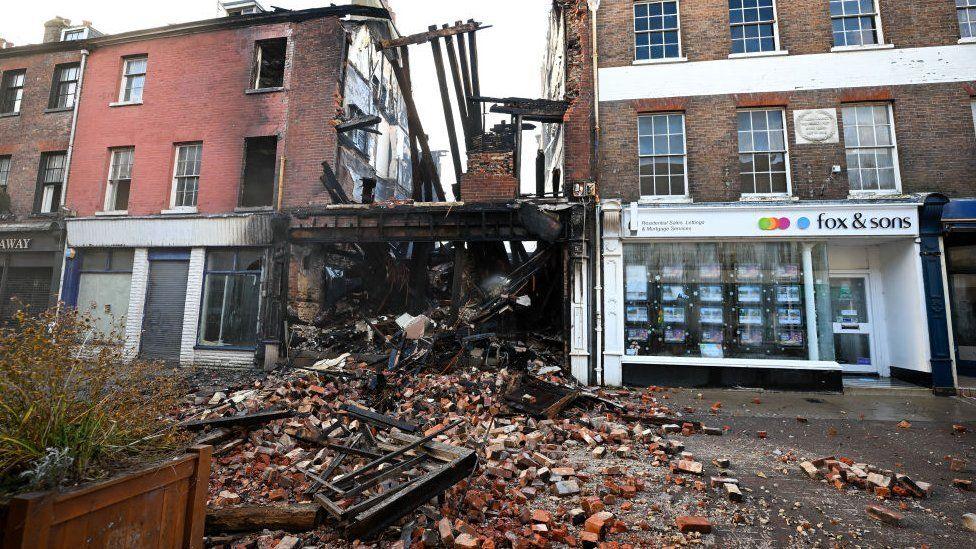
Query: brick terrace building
38, 98
765, 169
191, 141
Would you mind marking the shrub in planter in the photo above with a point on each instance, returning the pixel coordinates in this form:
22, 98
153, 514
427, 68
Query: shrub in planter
73, 408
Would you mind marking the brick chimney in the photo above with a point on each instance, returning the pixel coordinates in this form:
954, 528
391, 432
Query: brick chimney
53, 28
491, 167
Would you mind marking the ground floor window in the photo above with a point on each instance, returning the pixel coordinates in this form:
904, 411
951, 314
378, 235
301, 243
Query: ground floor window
231, 298
103, 288
725, 300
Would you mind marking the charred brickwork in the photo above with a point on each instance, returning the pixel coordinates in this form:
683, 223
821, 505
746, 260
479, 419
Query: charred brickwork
580, 123
491, 165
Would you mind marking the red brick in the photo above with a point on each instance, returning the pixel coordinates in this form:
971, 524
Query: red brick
687, 523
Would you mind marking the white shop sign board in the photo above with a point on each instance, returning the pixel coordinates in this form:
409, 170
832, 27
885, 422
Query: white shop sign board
777, 221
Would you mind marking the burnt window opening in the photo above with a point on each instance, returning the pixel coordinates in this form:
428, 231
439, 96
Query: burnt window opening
360, 138
259, 171
269, 63
369, 190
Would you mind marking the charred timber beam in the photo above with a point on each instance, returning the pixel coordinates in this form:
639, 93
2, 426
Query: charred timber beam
433, 34
475, 78
378, 419
448, 112
358, 123
459, 92
254, 518
239, 421
532, 115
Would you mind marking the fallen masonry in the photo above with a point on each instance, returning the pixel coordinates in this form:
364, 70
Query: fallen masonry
844, 472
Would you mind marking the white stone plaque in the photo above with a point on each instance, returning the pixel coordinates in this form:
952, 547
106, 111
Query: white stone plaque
816, 126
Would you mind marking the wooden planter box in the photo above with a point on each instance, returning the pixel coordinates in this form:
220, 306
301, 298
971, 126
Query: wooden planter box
160, 507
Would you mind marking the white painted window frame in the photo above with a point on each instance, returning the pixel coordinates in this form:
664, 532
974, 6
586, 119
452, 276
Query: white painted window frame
86, 32
894, 156
786, 145
125, 77
671, 198
173, 208
110, 188
881, 45
776, 39
681, 47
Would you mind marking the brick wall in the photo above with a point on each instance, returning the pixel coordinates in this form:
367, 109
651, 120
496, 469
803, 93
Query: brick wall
933, 125
195, 91
33, 131
579, 123
804, 27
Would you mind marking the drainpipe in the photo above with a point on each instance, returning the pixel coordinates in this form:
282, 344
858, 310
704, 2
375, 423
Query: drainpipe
67, 168
594, 5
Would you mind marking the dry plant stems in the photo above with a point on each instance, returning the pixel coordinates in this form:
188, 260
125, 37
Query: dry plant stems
72, 407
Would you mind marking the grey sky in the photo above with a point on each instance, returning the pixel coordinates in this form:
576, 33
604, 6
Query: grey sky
510, 53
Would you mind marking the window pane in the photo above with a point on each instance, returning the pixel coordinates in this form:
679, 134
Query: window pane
662, 150
94, 260
229, 314
220, 260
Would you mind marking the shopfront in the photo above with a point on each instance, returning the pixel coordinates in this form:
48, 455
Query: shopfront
30, 266
960, 250
186, 290
784, 295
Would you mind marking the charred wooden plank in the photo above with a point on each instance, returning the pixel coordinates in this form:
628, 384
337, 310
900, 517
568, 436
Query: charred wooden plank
380, 419
358, 123
432, 34
254, 518
239, 421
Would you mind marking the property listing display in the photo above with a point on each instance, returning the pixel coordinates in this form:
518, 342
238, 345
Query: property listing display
735, 300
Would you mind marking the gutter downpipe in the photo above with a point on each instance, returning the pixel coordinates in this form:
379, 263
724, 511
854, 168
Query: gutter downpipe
594, 5
67, 167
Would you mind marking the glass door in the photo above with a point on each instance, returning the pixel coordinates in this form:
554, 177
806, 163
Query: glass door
853, 331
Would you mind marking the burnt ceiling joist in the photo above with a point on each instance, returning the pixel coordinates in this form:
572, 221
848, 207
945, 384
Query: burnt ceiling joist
363, 122
424, 37
533, 110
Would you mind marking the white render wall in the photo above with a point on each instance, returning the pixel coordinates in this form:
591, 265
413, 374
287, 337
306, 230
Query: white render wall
849, 69
137, 302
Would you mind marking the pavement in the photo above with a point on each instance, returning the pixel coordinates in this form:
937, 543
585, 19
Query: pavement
790, 509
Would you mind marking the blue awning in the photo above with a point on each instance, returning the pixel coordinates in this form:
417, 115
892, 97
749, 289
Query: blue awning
960, 215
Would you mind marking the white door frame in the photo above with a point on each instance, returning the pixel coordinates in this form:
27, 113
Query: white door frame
874, 298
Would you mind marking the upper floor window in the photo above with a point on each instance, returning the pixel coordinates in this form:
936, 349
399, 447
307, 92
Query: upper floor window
12, 91
74, 34
855, 22
872, 155
269, 63
50, 182
662, 155
753, 25
966, 12
763, 155
120, 179
65, 86
656, 26
4, 171
186, 178
133, 79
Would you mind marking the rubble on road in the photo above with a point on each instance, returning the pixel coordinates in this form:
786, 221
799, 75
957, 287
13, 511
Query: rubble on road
844, 472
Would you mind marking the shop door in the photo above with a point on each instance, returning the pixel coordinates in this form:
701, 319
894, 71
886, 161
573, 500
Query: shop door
25, 288
853, 326
162, 324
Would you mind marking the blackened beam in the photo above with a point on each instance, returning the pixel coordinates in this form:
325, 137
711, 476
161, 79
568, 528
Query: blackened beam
532, 115
448, 113
460, 224
475, 78
465, 68
459, 92
358, 123
257, 418
432, 34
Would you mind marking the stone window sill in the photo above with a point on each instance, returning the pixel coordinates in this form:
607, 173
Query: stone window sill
665, 200
868, 195
264, 90
125, 103
776, 53
180, 211
969, 40
664, 61
112, 213
778, 197
9, 114
253, 209
866, 47
62, 109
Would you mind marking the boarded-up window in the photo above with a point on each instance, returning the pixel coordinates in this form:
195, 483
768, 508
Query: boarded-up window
259, 171
103, 289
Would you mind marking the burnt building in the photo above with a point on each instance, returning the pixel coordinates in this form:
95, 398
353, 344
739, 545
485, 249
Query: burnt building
160, 166
771, 177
